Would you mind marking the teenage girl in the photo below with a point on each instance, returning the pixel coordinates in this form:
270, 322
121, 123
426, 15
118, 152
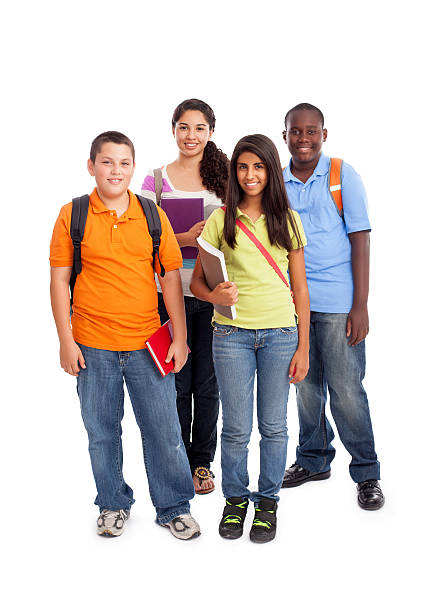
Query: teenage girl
199, 171
264, 336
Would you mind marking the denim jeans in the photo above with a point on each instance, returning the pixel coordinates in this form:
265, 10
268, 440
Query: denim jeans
339, 368
101, 394
197, 397
238, 353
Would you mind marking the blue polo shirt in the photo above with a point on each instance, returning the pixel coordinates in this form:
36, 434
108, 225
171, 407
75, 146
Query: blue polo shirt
328, 251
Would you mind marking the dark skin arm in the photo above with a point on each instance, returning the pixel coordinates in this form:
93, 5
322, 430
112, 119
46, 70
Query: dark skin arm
357, 321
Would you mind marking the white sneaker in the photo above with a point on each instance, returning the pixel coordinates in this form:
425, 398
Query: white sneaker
184, 527
112, 522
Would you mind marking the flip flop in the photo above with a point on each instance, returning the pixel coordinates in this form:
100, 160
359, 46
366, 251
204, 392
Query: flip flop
203, 473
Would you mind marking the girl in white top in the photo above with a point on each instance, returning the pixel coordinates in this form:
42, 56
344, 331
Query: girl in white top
199, 171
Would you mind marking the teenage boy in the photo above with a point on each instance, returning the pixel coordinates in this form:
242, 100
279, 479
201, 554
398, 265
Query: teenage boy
115, 310
337, 269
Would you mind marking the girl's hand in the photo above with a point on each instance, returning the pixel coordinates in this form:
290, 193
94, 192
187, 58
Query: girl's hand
178, 352
70, 357
225, 294
299, 366
193, 233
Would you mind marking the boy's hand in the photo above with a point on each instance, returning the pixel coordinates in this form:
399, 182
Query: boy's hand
299, 366
70, 355
357, 325
225, 294
178, 352
194, 232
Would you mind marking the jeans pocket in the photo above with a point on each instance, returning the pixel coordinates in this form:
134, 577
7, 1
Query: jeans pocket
223, 330
288, 330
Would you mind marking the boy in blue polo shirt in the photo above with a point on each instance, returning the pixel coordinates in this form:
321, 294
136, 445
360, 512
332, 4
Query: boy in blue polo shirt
337, 269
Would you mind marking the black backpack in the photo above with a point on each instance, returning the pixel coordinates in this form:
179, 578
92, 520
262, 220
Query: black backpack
79, 214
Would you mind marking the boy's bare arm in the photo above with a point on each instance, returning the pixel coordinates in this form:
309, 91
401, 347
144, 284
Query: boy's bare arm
357, 322
69, 352
174, 300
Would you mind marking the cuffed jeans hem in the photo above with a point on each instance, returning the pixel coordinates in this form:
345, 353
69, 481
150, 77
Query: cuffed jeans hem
371, 473
127, 508
166, 518
308, 465
256, 497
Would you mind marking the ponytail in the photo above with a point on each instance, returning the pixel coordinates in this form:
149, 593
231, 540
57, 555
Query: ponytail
214, 169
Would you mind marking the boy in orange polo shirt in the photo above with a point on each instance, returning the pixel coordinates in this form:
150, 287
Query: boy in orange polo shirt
115, 310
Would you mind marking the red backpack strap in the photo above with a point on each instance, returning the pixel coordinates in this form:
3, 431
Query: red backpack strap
334, 183
263, 251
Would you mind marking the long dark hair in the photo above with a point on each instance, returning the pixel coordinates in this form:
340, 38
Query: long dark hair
274, 199
214, 165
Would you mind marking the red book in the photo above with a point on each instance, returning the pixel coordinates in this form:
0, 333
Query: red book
158, 346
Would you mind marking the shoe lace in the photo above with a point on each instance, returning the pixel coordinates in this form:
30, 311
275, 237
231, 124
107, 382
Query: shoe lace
369, 484
235, 518
232, 518
114, 514
258, 523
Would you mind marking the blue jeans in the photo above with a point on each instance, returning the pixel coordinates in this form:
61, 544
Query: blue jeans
238, 353
101, 393
197, 393
339, 368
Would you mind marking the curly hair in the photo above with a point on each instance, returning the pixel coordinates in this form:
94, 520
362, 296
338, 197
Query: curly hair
214, 166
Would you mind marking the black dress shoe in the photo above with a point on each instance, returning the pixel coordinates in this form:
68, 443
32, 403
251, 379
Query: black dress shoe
296, 475
369, 495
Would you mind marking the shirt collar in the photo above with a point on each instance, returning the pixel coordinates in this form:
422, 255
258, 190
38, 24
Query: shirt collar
240, 213
134, 211
321, 169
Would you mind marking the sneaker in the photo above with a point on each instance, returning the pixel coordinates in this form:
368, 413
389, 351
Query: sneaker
233, 517
183, 527
297, 475
264, 524
111, 522
369, 495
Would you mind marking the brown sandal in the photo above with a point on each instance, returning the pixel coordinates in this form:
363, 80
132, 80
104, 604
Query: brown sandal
203, 473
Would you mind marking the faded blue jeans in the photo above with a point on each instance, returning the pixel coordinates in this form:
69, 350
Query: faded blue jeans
339, 368
238, 353
153, 398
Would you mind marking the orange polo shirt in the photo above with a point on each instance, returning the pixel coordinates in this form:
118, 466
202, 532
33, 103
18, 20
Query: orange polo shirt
115, 298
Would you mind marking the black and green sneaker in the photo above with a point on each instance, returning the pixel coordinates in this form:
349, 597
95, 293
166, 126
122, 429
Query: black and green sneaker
264, 524
231, 525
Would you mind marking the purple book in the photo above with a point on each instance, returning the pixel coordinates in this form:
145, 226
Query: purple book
183, 213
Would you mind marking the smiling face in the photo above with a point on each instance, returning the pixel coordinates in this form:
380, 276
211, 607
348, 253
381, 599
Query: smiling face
113, 169
304, 136
252, 174
192, 133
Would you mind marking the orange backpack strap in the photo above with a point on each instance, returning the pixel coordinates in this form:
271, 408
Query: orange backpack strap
335, 183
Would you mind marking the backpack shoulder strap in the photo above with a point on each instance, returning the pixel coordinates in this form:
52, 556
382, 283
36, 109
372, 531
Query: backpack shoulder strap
154, 226
79, 212
158, 180
334, 183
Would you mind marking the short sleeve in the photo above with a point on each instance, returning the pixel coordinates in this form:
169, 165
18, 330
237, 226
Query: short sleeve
301, 233
61, 246
354, 200
148, 187
214, 228
170, 253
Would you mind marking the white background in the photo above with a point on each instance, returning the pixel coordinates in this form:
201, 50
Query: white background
72, 70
